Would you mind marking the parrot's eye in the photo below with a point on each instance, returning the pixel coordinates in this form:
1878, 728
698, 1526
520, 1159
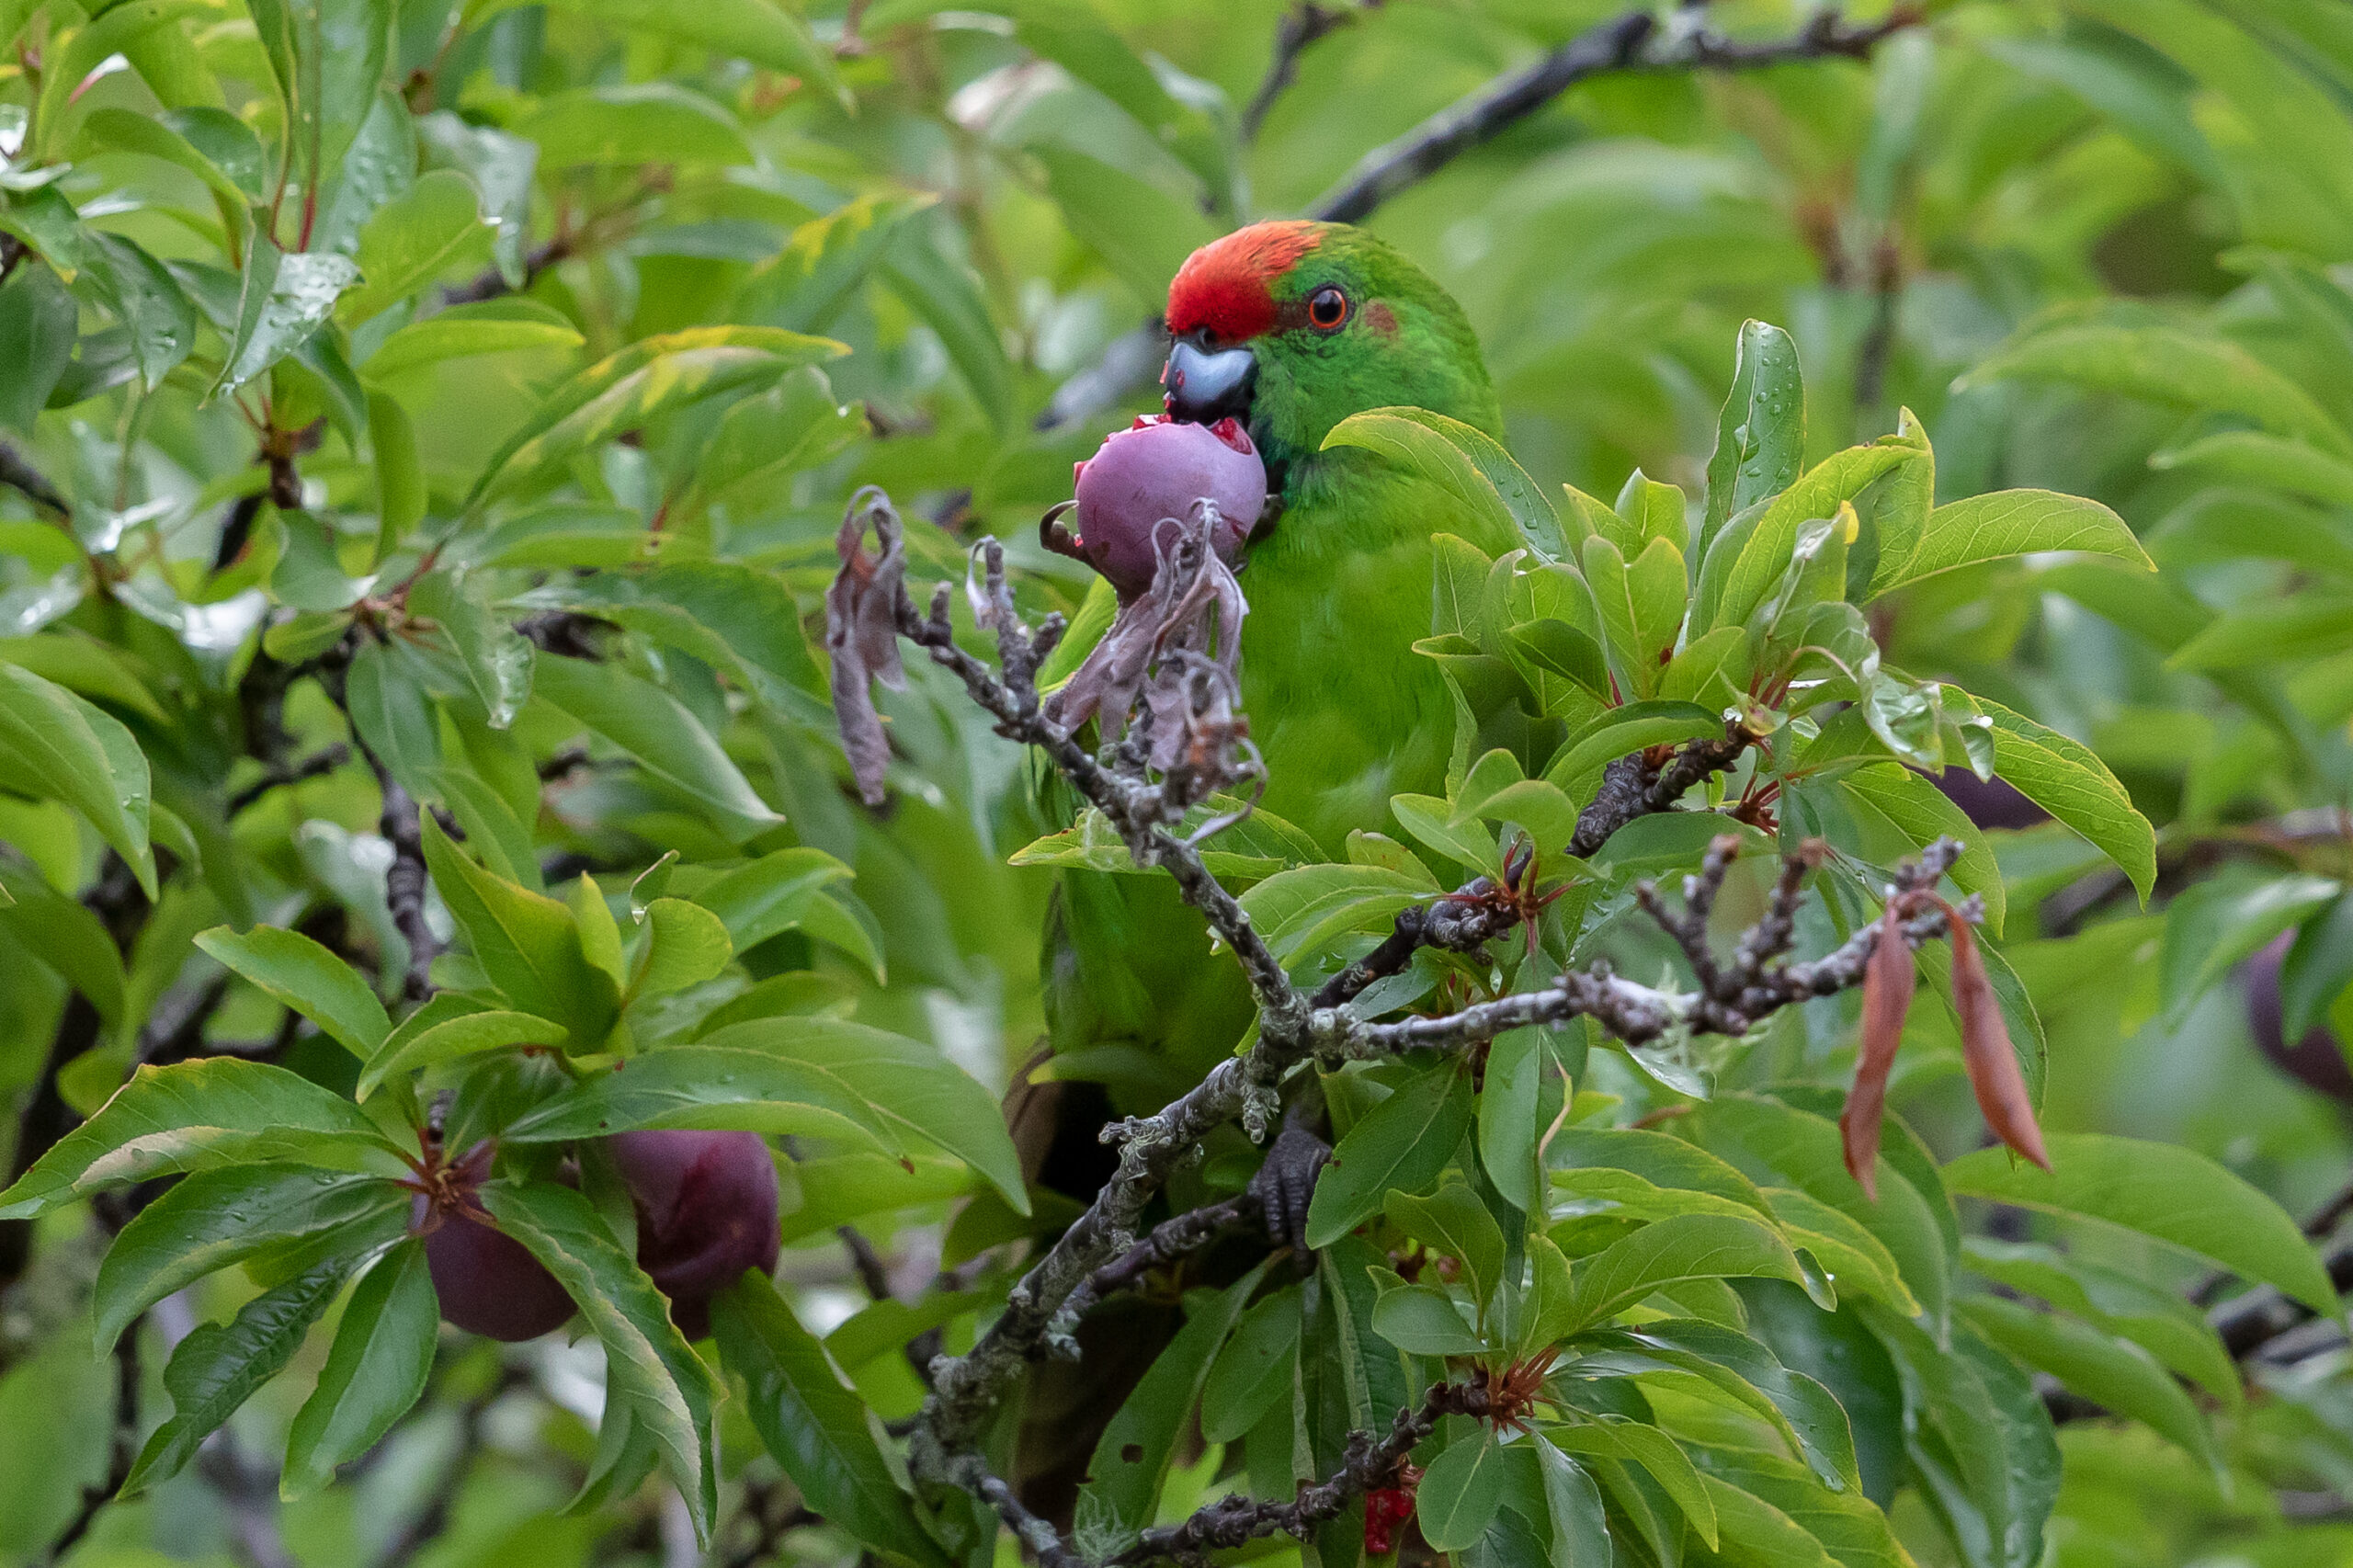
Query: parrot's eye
1327, 309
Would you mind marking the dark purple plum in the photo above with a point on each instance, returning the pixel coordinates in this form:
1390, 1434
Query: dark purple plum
2317, 1061
487, 1281
706, 1211
1988, 802
1157, 468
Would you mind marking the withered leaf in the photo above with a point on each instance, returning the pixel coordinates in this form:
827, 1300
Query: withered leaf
862, 633
1888, 980
1986, 1048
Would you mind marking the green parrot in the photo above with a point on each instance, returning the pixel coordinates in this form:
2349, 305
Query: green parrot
1290, 326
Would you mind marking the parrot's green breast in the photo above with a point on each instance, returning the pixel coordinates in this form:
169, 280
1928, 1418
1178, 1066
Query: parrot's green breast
1344, 712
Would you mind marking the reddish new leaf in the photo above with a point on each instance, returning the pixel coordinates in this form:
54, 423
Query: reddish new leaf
1888, 981
1986, 1051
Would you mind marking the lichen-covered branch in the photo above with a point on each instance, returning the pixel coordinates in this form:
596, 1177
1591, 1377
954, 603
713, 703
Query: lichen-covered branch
1236, 1521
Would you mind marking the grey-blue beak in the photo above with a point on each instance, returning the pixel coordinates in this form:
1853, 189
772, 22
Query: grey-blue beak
1203, 386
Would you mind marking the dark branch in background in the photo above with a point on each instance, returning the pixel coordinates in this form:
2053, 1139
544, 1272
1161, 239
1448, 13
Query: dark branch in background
19, 474
405, 878
317, 765
490, 283
122, 1451
1301, 26
1236, 1521
121, 907
1622, 44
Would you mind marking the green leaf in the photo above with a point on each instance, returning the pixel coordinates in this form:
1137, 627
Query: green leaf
2299, 626
284, 297
2160, 1321
38, 321
2007, 523
1430, 820
1580, 1525
1400, 1144
429, 231
1143, 231
55, 745
663, 734
1760, 437
2163, 1190
641, 122
1808, 1415
64, 935
949, 299
1922, 813
526, 943
1848, 1525
1123, 1489
1760, 1535
1454, 1221
453, 1040
770, 894
815, 1426
653, 376
812, 278
743, 29
375, 1372
788, 1074
2114, 1373
652, 1375
686, 945
1688, 1246
1460, 1491
1296, 910
759, 444
304, 976
497, 658
215, 1218
1751, 556
1253, 1371
391, 713
2252, 458
1622, 731
145, 298
494, 326
73, 53
1500, 502
1978, 1440
1636, 1442
1423, 1320
2168, 365
197, 1116
2215, 924
2067, 780
216, 1369
1806, 1151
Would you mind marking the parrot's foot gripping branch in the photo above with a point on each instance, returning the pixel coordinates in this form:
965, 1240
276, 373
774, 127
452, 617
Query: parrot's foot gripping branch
1186, 744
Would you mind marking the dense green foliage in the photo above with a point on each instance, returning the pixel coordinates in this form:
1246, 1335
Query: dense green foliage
424, 433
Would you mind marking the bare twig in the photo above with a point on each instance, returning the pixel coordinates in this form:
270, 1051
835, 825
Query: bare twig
1169, 1241
18, 473
1301, 25
123, 1449
317, 765
1626, 43
490, 283
1236, 1521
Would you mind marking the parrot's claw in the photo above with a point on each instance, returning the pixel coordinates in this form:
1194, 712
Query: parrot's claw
1285, 1184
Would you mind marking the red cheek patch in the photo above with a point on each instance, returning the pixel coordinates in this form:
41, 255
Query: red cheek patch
1223, 284
1381, 318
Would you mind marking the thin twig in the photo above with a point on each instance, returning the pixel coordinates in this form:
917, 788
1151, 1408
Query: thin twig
1301, 25
317, 765
1169, 1241
18, 473
1234, 1521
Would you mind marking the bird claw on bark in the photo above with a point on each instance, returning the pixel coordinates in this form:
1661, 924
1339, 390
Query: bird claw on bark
1285, 1185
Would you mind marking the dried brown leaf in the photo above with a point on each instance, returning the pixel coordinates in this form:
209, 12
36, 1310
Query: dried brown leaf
1888, 981
1986, 1051
862, 633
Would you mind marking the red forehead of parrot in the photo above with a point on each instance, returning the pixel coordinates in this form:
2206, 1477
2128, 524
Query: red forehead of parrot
1225, 286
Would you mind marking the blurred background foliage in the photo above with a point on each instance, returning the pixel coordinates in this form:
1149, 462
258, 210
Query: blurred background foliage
2095, 245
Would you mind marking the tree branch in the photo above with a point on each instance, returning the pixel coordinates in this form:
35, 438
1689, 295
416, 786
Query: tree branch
1301, 27
1628, 42
18, 473
1236, 1521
